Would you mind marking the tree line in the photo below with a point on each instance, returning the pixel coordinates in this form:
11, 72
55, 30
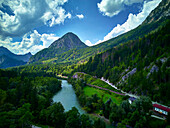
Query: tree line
142, 54
138, 114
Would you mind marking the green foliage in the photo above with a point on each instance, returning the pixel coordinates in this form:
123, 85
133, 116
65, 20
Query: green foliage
94, 81
92, 99
99, 124
27, 100
16, 118
89, 91
80, 55
86, 122
142, 53
51, 70
73, 118
22, 98
54, 115
2, 96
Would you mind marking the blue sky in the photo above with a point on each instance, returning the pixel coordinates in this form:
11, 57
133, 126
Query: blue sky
31, 25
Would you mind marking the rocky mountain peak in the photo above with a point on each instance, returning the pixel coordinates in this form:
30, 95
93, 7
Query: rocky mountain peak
68, 41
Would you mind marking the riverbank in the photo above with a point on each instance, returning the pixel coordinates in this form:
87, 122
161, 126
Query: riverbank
94, 82
94, 94
62, 77
97, 84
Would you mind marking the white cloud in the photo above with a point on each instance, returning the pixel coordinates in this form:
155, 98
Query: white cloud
88, 43
81, 16
133, 20
113, 7
61, 17
47, 39
31, 42
28, 14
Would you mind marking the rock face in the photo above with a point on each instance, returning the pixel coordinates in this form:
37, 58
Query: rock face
68, 42
153, 69
129, 74
9, 59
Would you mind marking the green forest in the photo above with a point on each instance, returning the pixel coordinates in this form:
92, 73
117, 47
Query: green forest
117, 109
104, 77
26, 99
142, 54
27, 91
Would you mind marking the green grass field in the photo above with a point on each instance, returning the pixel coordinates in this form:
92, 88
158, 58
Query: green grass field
96, 81
89, 91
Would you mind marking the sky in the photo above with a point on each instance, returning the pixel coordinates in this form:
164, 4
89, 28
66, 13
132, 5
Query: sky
32, 25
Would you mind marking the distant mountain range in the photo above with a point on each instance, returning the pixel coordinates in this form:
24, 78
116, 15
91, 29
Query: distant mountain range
70, 49
9, 59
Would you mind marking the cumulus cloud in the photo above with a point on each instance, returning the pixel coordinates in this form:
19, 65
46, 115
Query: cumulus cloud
81, 16
31, 42
25, 15
133, 20
88, 43
113, 7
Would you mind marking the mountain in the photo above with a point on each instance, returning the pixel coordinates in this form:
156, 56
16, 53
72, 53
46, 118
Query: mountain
158, 18
6, 52
68, 42
9, 59
6, 62
139, 66
162, 12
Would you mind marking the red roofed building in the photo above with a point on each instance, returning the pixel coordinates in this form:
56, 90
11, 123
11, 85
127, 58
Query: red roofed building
161, 109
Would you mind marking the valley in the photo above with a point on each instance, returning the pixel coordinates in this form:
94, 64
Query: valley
122, 82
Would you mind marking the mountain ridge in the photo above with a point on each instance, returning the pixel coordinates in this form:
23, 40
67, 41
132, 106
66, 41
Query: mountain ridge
151, 23
24, 57
67, 42
138, 66
9, 59
72, 42
162, 11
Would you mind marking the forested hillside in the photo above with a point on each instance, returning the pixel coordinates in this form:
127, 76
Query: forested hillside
139, 66
123, 82
71, 55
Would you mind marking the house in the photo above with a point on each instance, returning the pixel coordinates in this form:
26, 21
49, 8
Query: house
161, 109
131, 99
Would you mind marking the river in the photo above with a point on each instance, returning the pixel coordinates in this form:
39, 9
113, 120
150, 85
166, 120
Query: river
68, 97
